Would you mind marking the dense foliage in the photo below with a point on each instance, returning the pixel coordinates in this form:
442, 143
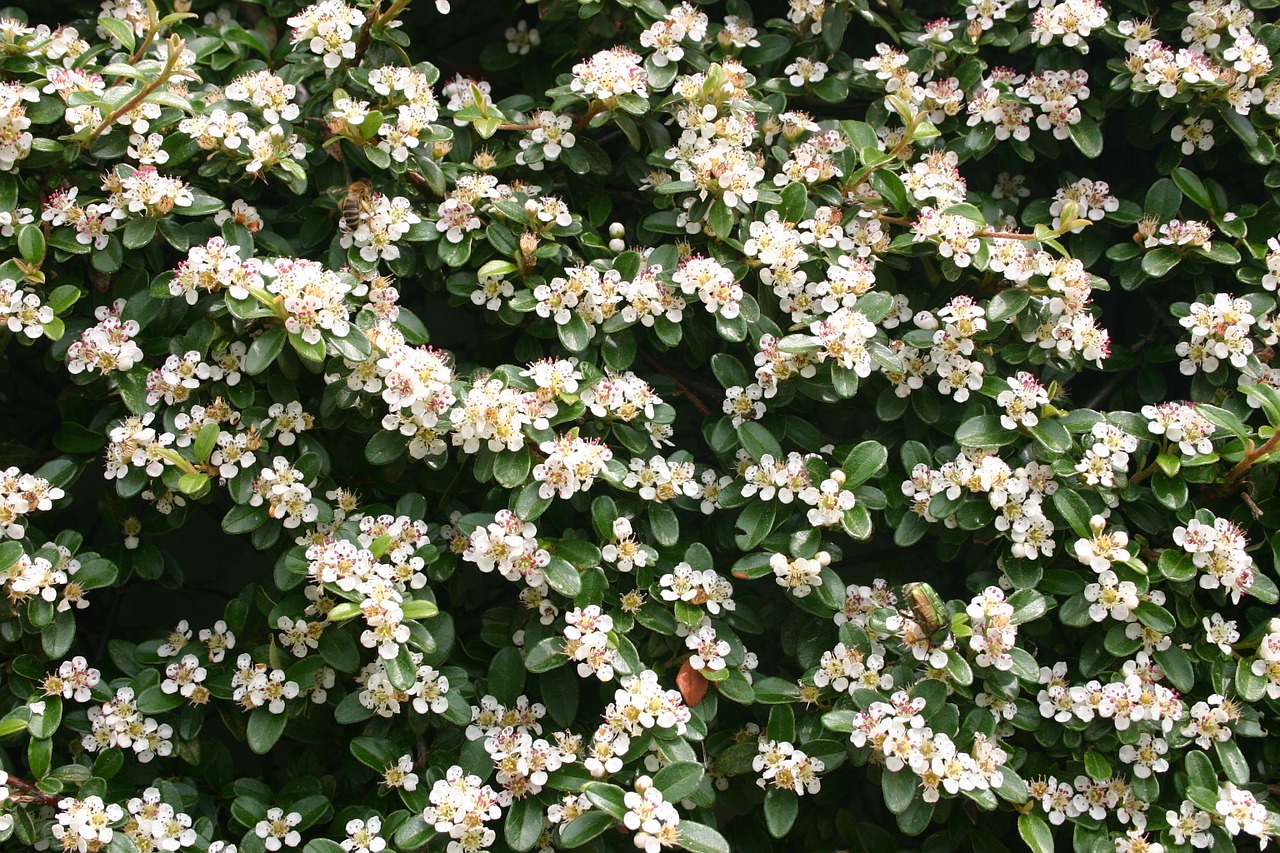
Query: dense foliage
677, 427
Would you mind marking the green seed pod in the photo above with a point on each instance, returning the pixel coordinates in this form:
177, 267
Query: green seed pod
928, 609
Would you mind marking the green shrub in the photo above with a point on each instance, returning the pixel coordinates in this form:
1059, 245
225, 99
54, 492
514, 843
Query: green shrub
677, 427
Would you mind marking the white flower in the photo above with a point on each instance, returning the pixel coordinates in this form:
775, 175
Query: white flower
363, 836
708, 650
277, 829
1220, 632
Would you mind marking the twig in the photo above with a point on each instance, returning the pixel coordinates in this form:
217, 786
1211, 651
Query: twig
680, 386
1250, 458
992, 235
176, 46
376, 18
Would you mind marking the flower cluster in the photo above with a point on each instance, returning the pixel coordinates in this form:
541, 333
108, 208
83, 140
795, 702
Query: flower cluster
118, 722
586, 635
1218, 549
1016, 494
107, 346
611, 73
571, 465
328, 28
509, 545
21, 495
1219, 332
897, 731
461, 805
655, 822
783, 766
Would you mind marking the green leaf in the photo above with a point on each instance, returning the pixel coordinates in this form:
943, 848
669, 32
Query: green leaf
12, 725
414, 833
1170, 491
1075, 510
244, 519
322, 845
374, 753
664, 524
139, 232
608, 798
835, 20
56, 637
1200, 772
1006, 305
118, 30
385, 447
401, 670
1177, 668
1155, 617
205, 441
31, 243
1250, 687
755, 522
916, 818
1087, 136
584, 828
44, 726
546, 655
353, 346
1028, 605
775, 691
984, 431
1162, 200
720, 219
63, 297
679, 780
1052, 434
699, 838
511, 467
1036, 833
563, 577
523, 824
264, 729
899, 789
194, 484
10, 553
758, 441
1159, 261
782, 723
574, 334
1193, 188
1233, 761
864, 462
794, 200
1012, 787
1097, 766
506, 675
780, 810
890, 187
314, 352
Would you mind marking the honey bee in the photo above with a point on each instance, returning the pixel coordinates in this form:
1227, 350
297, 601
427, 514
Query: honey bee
358, 200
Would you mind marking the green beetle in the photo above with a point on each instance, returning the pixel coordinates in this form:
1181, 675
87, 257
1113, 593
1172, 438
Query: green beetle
928, 610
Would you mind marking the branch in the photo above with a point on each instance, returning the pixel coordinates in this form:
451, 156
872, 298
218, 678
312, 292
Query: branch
25, 792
